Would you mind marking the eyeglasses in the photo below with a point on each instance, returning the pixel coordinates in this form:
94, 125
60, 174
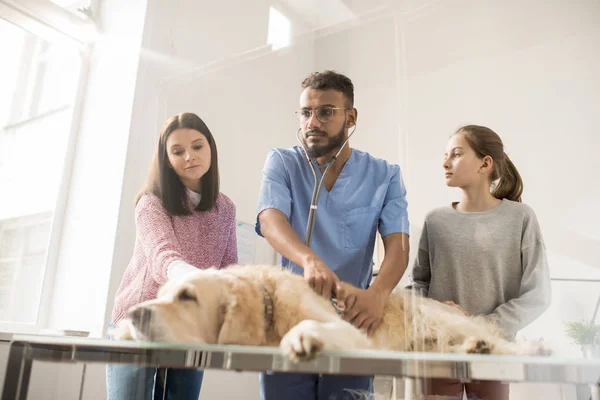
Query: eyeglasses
323, 114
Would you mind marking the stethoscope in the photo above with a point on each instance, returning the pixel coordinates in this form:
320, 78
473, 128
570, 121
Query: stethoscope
312, 213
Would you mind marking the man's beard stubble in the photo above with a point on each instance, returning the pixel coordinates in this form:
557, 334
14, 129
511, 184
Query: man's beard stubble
333, 145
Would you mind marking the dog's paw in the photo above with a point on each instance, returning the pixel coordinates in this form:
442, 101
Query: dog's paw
473, 345
302, 342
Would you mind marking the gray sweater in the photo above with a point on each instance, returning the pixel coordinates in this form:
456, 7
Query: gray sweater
491, 263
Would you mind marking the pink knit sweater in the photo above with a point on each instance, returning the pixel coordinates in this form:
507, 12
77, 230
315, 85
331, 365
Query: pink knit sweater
203, 239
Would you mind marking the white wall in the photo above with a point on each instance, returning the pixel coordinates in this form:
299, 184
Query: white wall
367, 53
529, 71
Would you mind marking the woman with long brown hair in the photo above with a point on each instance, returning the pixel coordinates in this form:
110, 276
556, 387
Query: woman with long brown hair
182, 223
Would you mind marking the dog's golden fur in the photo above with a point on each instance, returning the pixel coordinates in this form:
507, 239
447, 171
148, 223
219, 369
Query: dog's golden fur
228, 307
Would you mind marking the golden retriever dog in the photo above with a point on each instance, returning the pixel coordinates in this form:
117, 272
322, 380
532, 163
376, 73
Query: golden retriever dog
269, 306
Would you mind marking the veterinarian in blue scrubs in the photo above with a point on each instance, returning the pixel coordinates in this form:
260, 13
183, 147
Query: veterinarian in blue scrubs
360, 195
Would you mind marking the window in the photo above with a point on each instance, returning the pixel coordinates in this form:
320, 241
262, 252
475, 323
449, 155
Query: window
280, 30
23, 247
40, 78
41, 75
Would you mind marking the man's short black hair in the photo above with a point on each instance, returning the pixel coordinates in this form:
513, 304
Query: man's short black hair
331, 80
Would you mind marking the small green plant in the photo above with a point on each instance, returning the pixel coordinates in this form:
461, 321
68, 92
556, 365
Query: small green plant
583, 333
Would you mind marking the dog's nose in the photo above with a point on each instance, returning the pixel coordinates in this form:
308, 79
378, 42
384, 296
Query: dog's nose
140, 316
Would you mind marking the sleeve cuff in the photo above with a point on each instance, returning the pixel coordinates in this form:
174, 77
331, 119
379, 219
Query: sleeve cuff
179, 269
285, 210
402, 227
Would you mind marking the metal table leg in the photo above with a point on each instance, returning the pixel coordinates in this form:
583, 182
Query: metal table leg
595, 389
18, 372
413, 389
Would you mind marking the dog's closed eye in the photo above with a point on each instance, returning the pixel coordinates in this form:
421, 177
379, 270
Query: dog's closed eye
187, 295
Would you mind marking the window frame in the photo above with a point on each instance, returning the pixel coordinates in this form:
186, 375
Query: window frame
53, 24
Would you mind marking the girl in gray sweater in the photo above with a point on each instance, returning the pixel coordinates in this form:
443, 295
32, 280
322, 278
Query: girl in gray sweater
484, 254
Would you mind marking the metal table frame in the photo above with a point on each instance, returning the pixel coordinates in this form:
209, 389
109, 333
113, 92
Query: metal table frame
25, 349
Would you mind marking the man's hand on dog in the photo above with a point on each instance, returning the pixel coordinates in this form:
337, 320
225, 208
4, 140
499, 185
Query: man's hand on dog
364, 309
323, 280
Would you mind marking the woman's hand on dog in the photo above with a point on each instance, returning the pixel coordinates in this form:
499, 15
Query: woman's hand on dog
364, 309
323, 280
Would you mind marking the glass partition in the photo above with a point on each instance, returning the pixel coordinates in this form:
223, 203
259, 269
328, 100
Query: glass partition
87, 86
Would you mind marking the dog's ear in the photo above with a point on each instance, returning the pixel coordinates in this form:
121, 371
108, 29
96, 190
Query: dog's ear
241, 317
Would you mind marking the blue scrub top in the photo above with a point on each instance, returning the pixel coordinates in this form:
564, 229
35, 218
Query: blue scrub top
368, 195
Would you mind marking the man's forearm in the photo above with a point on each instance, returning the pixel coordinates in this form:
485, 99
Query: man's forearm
276, 228
394, 262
